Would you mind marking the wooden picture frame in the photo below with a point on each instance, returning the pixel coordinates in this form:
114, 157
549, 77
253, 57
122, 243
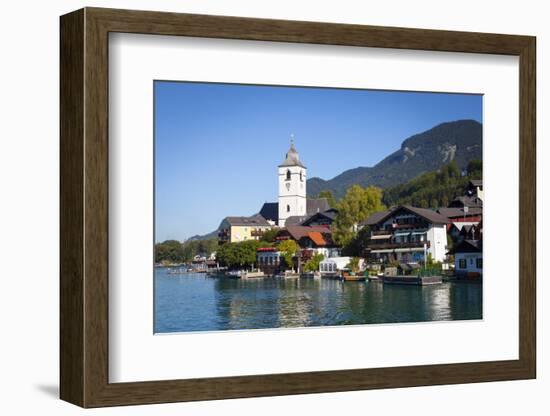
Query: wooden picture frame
84, 207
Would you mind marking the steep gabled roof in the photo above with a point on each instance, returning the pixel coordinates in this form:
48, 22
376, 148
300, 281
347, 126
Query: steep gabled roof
466, 201
329, 215
317, 205
377, 217
296, 220
468, 246
299, 231
428, 214
270, 211
317, 238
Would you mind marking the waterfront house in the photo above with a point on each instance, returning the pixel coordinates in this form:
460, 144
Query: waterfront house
237, 229
269, 260
406, 234
333, 265
468, 258
319, 242
314, 237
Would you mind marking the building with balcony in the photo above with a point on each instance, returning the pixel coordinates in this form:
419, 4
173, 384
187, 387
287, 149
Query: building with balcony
468, 258
406, 234
237, 229
269, 260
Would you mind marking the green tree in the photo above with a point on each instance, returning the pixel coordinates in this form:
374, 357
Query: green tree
353, 264
433, 189
357, 205
169, 251
474, 169
357, 245
269, 235
238, 255
329, 196
313, 264
288, 249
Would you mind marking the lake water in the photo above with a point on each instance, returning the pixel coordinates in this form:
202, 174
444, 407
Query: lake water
195, 302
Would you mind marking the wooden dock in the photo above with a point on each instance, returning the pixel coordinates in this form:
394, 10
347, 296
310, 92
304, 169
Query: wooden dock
412, 280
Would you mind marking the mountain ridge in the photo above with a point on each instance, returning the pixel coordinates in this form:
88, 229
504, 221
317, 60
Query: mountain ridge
459, 140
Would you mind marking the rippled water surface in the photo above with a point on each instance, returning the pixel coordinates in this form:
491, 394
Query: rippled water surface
195, 302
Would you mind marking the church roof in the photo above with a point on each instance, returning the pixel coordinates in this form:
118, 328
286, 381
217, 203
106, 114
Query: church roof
314, 206
292, 158
296, 220
270, 211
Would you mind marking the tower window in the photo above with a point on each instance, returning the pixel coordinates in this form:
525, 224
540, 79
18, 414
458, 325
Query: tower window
301, 178
288, 208
288, 174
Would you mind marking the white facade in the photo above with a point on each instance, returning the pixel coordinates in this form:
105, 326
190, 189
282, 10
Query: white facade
333, 265
437, 236
326, 251
292, 187
408, 237
468, 263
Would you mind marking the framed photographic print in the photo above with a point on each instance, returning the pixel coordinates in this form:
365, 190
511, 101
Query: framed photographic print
255, 207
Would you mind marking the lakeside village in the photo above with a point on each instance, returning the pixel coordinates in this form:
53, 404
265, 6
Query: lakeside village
356, 239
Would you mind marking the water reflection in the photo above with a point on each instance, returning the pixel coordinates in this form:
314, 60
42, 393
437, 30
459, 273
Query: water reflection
198, 303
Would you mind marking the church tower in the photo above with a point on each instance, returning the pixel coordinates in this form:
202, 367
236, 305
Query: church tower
292, 186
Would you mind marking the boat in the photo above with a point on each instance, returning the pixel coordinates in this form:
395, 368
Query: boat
234, 274
348, 276
252, 275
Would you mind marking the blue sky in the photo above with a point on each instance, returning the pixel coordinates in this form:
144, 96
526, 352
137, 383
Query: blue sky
217, 146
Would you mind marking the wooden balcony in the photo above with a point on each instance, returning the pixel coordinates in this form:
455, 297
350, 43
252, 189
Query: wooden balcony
384, 245
257, 233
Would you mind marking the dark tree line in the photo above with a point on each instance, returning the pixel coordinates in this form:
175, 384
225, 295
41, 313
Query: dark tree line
172, 251
434, 189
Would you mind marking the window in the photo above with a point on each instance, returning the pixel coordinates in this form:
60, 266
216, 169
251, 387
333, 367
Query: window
288, 174
462, 263
301, 178
479, 263
288, 208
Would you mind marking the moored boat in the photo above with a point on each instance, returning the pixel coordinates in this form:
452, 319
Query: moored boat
352, 277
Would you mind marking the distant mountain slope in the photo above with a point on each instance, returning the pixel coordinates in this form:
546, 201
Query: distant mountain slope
425, 152
210, 235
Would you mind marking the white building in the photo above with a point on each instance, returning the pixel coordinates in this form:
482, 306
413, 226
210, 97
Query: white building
292, 187
469, 258
293, 207
333, 265
407, 234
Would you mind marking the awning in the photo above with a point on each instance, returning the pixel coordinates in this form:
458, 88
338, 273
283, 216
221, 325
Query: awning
381, 237
419, 233
382, 251
402, 233
408, 250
